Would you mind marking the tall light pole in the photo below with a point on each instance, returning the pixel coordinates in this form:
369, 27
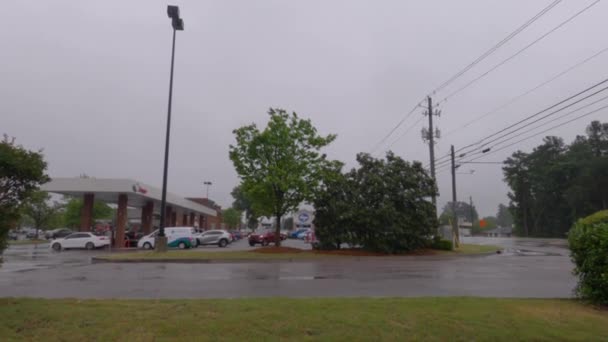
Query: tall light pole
208, 184
178, 25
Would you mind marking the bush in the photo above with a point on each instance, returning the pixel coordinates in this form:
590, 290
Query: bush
382, 206
588, 241
444, 245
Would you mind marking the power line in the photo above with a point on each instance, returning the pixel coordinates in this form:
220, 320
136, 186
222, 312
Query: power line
555, 119
395, 127
541, 112
442, 163
514, 99
497, 46
542, 132
405, 132
519, 52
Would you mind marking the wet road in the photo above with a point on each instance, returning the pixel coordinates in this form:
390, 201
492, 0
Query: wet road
529, 268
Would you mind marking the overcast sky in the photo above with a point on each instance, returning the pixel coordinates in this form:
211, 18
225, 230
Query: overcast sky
87, 81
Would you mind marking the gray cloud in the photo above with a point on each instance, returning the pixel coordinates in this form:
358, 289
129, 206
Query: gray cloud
87, 80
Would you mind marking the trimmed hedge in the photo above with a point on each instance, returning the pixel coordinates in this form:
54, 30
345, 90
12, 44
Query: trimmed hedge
588, 241
444, 245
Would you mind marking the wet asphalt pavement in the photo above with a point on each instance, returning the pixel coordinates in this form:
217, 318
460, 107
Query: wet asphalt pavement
528, 268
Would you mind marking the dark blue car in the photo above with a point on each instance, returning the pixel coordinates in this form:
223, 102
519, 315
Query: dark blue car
295, 233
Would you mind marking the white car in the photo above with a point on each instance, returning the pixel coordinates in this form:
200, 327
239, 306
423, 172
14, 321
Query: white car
180, 237
213, 237
80, 240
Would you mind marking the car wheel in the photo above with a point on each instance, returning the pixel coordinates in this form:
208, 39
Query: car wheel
251, 243
56, 247
147, 245
223, 243
89, 246
264, 243
181, 245
198, 243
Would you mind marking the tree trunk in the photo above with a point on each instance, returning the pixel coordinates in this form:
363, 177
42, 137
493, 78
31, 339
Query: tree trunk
277, 232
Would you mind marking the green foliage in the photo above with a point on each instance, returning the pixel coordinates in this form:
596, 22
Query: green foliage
503, 216
281, 166
381, 206
42, 214
556, 184
73, 210
232, 217
21, 174
599, 217
443, 245
463, 210
588, 241
243, 204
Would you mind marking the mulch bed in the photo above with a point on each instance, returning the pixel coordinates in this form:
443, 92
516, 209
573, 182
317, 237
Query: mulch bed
344, 252
277, 250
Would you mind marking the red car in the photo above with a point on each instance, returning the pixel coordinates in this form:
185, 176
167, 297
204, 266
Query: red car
264, 237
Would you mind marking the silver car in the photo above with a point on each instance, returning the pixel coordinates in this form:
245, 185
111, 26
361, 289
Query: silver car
213, 237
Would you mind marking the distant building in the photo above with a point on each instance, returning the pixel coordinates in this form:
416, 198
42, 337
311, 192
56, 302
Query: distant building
499, 232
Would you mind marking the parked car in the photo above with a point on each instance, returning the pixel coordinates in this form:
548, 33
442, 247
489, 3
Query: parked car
264, 237
57, 233
294, 234
213, 237
311, 238
80, 240
180, 237
132, 238
13, 235
236, 235
302, 235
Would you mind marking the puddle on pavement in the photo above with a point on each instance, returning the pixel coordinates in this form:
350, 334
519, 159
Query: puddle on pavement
524, 252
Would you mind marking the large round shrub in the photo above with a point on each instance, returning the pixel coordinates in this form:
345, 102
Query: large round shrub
588, 241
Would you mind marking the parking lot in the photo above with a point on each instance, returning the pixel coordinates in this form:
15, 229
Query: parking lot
528, 268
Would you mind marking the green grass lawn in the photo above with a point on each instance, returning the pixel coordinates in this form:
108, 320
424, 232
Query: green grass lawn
27, 242
195, 254
360, 319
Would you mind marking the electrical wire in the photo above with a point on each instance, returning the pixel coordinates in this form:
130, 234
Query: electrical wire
539, 133
497, 46
519, 51
395, 127
442, 163
516, 98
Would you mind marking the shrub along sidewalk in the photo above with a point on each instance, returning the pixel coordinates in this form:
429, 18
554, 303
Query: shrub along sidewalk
266, 254
269, 319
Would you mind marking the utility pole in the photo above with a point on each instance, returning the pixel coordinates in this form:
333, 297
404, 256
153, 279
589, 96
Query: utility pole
471, 209
455, 233
429, 135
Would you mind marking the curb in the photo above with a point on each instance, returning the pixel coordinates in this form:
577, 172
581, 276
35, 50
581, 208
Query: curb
101, 260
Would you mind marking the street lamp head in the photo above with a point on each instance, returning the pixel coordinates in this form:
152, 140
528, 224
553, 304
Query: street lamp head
176, 21
173, 12
178, 24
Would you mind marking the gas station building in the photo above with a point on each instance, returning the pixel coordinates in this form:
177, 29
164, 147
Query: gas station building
127, 193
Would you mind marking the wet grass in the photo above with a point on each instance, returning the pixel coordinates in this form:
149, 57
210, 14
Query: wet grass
197, 254
27, 242
282, 319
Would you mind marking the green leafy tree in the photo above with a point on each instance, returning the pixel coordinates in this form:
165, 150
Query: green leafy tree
503, 216
232, 217
21, 174
243, 204
555, 184
280, 166
43, 215
382, 206
464, 211
73, 212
